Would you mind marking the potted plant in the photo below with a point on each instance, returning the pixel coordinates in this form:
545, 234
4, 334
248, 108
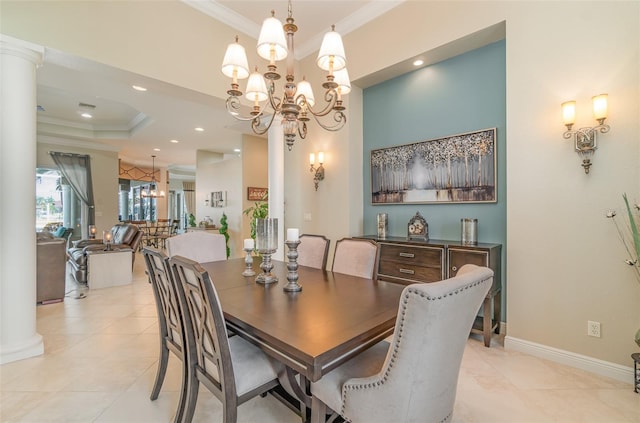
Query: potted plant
224, 230
630, 236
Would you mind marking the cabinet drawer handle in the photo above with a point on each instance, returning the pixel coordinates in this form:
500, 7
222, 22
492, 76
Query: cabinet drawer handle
407, 271
454, 268
408, 255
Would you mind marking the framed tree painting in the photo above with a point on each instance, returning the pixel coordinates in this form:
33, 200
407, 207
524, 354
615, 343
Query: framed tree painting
453, 169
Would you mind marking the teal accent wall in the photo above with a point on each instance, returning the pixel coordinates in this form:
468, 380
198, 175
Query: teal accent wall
462, 94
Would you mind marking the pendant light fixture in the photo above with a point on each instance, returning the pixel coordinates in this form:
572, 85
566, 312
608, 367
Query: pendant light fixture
295, 103
153, 192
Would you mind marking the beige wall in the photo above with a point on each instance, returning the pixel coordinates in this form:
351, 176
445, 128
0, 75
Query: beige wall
564, 261
231, 174
563, 257
254, 174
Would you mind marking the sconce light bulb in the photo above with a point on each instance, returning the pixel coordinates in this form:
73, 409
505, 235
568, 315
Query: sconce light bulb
569, 112
312, 159
600, 106
321, 157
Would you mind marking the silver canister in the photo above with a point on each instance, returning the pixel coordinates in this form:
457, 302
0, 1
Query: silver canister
382, 225
469, 230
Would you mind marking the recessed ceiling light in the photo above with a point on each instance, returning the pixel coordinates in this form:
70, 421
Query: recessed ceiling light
418, 62
237, 150
86, 115
156, 149
199, 129
174, 141
138, 88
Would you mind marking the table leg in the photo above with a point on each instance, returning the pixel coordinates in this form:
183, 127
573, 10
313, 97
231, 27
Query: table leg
318, 411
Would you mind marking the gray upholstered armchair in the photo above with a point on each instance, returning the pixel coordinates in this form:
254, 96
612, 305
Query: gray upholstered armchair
124, 235
414, 379
50, 267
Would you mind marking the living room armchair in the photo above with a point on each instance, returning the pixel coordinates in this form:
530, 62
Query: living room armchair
124, 235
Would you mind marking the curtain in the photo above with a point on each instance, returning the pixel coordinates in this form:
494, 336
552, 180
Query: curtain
76, 169
189, 189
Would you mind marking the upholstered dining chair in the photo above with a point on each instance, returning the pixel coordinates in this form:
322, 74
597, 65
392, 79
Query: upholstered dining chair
199, 246
169, 321
313, 251
356, 257
234, 370
414, 379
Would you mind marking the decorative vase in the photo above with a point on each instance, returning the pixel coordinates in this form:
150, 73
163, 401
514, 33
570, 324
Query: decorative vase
266, 244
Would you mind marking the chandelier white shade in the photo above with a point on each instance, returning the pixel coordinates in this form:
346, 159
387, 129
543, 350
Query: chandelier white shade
235, 64
294, 105
272, 44
331, 56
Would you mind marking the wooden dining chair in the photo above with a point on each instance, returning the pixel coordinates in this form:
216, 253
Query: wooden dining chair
356, 257
169, 322
415, 378
313, 251
233, 369
199, 246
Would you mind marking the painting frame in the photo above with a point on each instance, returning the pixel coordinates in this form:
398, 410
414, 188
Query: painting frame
460, 168
257, 194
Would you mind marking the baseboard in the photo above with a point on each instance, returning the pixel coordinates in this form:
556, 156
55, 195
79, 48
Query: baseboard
590, 364
502, 328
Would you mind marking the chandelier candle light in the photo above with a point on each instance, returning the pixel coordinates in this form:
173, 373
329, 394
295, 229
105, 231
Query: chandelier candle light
293, 240
295, 106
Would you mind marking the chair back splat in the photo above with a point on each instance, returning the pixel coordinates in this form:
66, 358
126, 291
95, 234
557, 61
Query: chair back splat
169, 321
415, 378
356, 257
313, 251
231, 368
199, 246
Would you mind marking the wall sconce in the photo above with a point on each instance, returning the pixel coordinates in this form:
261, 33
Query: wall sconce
206, 202
584, 139
319, 171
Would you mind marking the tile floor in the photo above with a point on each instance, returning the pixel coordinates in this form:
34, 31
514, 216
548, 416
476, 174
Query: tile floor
101, 355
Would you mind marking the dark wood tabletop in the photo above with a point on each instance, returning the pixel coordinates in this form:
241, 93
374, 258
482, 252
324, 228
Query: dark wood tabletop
333, 318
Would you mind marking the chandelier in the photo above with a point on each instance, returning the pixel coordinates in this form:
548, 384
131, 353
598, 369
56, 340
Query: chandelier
296, 103
153, 192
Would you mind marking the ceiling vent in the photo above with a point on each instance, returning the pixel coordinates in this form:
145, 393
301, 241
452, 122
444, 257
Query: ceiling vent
86, 105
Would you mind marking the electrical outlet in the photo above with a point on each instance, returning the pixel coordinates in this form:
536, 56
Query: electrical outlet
593, 329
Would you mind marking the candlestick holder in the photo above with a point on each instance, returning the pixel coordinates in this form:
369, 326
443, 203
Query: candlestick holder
267, 244
266, 277
292, 267
248, 263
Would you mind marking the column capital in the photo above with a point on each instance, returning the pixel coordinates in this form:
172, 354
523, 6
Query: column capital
23, 49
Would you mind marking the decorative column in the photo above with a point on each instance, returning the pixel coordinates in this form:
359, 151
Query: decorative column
276, 180
18, 336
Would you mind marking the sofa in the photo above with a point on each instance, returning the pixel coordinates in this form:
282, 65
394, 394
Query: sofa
50, 267
124, 235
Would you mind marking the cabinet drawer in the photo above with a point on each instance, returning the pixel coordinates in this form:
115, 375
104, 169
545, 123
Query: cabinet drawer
409, 272
422, 256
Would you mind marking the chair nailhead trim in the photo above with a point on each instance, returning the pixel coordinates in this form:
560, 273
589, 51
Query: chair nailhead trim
394, 354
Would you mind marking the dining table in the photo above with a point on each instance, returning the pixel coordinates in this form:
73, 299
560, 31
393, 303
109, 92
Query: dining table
332, 319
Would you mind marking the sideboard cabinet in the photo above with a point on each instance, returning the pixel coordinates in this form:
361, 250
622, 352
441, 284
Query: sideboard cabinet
409, 261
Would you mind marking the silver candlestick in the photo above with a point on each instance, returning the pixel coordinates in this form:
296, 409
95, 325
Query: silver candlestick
292, 266
266, 276
248, 263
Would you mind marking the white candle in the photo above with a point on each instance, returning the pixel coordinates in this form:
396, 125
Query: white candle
248, 244
293, 234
